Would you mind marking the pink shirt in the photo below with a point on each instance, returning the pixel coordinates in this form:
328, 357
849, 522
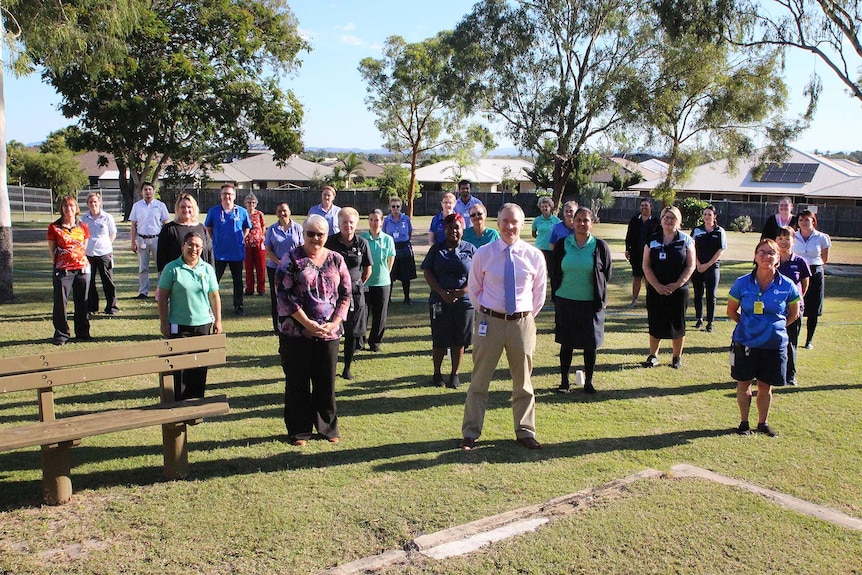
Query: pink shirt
485, 283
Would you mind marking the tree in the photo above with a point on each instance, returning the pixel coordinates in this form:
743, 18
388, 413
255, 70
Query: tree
406, 91
395, 181
89, 33
200, 80
704, 98
352, 165
54, 166
551, 70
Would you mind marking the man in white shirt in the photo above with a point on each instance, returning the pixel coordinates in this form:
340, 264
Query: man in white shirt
505, 312
148, 216
465, 202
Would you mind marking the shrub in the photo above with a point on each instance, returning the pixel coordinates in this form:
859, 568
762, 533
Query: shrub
740, 224
692, 210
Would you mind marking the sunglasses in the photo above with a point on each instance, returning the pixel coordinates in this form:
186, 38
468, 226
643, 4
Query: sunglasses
315, 235
477, 216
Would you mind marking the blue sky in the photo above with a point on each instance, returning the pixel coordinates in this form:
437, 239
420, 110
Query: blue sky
332, 92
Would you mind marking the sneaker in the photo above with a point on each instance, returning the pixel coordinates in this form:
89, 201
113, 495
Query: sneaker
454, 382
698, 324
142, 296
766, 430
743, 429
588, 387
809, 345
676, 363
632, 304
651, 361
792, 382
709, 327
564, 387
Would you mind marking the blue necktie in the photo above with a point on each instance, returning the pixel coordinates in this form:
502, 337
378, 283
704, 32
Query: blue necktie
509, 282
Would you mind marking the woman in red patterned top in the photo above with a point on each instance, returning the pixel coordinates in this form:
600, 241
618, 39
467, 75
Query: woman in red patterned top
255, 249
67, 240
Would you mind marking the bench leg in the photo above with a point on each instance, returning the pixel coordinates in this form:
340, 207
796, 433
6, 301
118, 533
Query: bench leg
175, 439
56, 473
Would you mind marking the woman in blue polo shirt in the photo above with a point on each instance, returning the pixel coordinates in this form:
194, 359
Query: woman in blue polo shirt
762, 304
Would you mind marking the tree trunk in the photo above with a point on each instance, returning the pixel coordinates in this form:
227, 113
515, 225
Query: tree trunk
6, 294
414, 157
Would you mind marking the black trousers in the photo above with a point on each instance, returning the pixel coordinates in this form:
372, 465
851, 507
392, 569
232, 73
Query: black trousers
377, 300
236, 276
706, 281
75, 283
104, 265
309, 391
793, 330
190, 383
270, 274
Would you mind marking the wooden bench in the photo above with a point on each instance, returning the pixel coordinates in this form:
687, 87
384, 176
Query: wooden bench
43, 372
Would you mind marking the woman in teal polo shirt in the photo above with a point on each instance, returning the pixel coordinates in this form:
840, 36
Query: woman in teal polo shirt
580, 273
189, 305
762, 304
382, 248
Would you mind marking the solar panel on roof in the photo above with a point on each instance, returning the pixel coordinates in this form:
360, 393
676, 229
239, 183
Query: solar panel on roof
789, 173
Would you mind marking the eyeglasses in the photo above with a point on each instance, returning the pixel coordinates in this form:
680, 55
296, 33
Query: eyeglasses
769, 253
477, 216
195, 247
315, 235
397, 206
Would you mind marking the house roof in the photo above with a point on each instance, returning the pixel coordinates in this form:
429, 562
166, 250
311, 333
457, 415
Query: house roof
262, 167
831, 179
649, 169
485, 171
366, 169
89, 162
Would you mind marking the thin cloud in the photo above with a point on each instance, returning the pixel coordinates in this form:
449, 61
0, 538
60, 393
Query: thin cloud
352, 40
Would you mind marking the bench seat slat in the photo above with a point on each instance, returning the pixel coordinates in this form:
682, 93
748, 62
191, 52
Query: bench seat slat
60, 359
79, 426
147, 366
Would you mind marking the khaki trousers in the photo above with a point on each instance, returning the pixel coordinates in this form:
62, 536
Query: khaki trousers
518, 338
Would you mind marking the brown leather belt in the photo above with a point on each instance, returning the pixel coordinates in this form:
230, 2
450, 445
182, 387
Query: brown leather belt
507, 317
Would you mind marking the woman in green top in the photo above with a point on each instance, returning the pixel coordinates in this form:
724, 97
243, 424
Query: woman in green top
382, 248
542, 226
580, 272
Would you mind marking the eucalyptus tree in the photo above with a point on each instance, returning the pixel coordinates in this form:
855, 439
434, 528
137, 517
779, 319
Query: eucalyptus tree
553, 72
201, 78
88, 33
407, 91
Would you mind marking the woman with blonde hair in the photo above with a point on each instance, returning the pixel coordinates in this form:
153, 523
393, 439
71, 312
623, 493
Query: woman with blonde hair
171, 240
668, 262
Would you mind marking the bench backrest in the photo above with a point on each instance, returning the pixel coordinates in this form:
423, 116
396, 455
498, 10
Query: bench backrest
45, 371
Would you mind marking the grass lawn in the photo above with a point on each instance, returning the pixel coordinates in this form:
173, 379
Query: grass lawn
256, 505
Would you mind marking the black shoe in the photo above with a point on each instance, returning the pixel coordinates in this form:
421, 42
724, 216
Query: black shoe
676, 363
809, 345
709, 327
454, 382
792, 382
347, 374
698, 324
766, 430
142, 296
239, 311
588, 387
564, 387
374, 348
408, 301
437, 380
651, 361
743, 429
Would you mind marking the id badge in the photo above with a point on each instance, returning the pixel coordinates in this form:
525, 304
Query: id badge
758, 308
483, 328
175, 329
662, 256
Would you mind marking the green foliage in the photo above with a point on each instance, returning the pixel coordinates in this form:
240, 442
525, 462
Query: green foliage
408, 91
56, 168
553, 70
199, 80
596, 196
692, 211
395, 181
352, 165
740, 224
337, 179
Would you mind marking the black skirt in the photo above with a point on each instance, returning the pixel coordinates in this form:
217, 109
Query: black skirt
577, 324
451, 324
666, 313
404, 266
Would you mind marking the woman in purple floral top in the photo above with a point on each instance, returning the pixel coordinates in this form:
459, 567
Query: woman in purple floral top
313, 292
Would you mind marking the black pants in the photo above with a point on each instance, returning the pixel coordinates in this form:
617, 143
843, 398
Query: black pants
236, 276
377, 300
309, 390
793, 330
76, 283
105, 266
707, 281
190, 383
270, 274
